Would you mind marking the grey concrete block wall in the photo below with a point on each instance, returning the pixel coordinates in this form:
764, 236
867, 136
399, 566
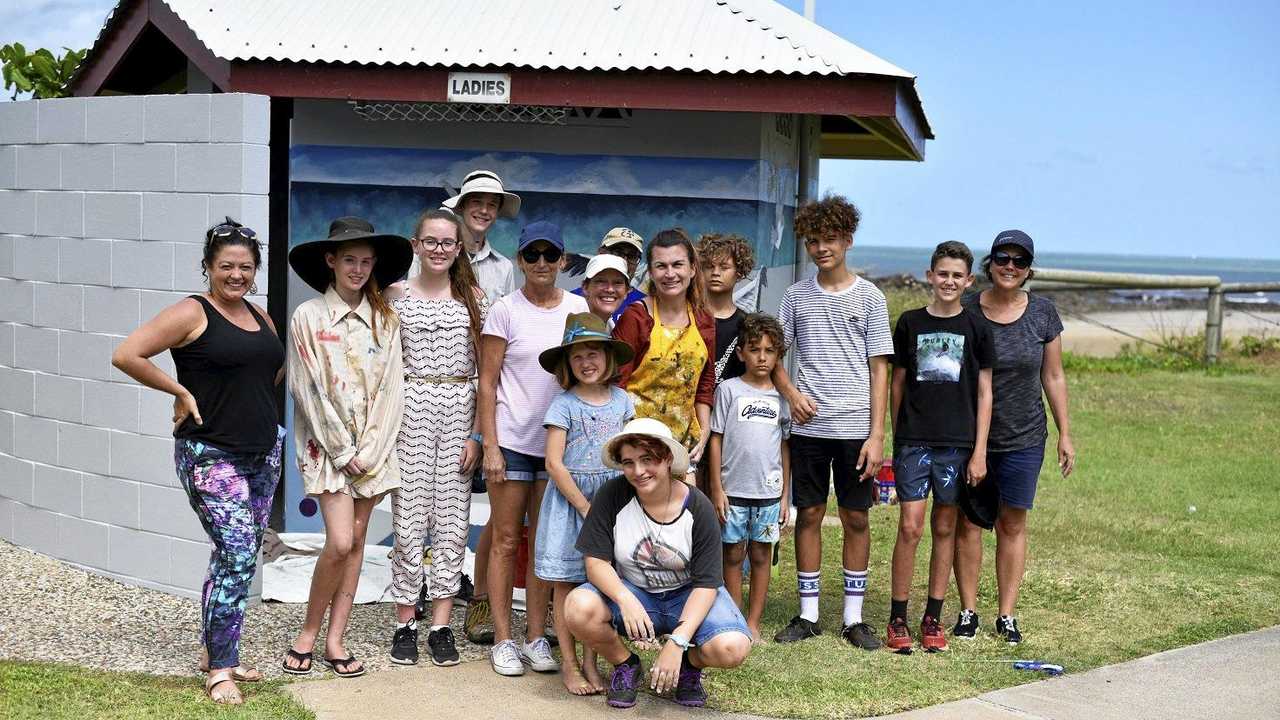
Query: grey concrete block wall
103, 207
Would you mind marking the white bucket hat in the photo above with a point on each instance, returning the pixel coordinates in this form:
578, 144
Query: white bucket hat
656, 429
485, 181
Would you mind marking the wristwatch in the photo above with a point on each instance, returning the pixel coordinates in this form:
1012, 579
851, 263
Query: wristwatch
477, 437
680, 641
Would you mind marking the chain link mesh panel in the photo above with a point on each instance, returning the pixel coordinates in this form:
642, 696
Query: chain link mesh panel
458, 112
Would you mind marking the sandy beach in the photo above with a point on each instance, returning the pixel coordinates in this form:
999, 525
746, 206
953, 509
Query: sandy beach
1087, 338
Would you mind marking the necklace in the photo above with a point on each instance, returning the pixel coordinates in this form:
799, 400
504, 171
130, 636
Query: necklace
655, 528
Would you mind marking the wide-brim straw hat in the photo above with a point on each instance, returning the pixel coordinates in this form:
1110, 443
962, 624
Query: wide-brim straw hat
485, 181
394, 253
650, 428
585, 328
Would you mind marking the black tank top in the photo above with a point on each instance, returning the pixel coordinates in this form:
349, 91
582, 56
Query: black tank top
232, 374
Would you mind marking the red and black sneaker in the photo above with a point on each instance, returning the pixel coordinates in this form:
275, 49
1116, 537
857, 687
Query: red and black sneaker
898, 637
932, 637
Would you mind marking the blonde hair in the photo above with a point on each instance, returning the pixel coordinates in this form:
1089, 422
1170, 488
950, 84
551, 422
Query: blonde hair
564, 373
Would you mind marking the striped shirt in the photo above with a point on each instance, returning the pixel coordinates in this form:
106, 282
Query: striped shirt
832, 336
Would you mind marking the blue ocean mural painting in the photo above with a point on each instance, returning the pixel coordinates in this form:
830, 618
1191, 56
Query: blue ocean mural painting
585, 194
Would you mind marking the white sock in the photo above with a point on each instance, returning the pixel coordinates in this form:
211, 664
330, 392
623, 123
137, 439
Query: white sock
412, 625
855, 588
434, 628
807, 584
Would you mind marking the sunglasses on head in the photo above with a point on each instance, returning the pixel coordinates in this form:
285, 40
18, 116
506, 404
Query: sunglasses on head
227, 230
1002, 258
550, 254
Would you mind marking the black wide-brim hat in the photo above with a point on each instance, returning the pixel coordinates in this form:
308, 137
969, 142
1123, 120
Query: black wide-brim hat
394, 253
980, 503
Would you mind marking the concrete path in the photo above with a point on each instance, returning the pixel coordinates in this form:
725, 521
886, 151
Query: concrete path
1235, 677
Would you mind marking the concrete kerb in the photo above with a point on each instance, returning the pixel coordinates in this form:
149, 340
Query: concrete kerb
1228, 678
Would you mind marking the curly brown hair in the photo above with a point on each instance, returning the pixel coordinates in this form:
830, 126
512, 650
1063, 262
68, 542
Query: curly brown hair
760, 325
733, 246
833, 213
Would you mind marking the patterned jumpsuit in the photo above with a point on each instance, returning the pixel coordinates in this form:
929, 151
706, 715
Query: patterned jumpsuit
434, 496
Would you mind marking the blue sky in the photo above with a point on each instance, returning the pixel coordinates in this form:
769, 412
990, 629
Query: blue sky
1122, 126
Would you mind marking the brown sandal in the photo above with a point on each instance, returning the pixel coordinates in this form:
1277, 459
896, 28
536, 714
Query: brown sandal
224, 697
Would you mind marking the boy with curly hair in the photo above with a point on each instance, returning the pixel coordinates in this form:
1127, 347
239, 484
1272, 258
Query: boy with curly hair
749, 466
837, 327
725, 260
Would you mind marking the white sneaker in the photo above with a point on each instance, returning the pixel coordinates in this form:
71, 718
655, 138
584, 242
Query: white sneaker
505, 659
537, 655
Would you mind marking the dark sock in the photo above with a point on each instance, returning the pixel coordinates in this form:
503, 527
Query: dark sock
933, 608
897, 610
686, 662
632, 659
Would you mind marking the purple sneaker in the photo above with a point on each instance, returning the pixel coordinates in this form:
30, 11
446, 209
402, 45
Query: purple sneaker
689, 690
623, 683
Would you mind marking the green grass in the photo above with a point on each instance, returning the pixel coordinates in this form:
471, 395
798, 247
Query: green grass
49, 691
1119, 566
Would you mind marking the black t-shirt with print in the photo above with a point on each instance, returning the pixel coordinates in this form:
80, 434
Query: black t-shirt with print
941, 356
651, 555
728, 365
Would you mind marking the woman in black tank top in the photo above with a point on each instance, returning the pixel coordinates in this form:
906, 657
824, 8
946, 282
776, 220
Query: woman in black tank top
227, 437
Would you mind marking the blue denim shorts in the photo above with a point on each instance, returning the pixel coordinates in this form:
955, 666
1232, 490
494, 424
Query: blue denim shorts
525, 468
664, 610
1016, 473
917, 468
757, 523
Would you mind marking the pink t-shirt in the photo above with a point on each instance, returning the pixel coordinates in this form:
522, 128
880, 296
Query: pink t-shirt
525, 390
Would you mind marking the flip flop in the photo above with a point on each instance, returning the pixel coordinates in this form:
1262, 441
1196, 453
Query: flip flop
307, 658
225, 697
333, 664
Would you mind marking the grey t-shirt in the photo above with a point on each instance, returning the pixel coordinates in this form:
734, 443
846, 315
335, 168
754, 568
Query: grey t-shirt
1017, 406
753, 422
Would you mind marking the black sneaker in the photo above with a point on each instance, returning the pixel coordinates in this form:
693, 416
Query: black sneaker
623, 682
689, 690
404, 646
966, 625
796, 630
443, 651
1007, 628
860, 635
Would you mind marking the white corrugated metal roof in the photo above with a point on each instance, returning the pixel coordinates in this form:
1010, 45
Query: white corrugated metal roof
717, 36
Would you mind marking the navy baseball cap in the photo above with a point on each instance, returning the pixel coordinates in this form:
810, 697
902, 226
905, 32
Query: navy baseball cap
540, 230
1017, 238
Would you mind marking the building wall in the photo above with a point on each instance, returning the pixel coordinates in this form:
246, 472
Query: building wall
103, 207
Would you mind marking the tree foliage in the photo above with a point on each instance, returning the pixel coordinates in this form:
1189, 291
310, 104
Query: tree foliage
40, 73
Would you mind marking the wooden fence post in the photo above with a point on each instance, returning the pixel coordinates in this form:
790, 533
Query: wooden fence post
1213, 326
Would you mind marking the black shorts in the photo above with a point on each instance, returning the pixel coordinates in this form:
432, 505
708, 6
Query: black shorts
816, 462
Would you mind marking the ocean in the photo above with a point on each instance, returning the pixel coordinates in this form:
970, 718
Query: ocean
878, 261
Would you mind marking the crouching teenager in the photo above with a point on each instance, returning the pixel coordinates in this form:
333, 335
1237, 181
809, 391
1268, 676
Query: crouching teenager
652, 549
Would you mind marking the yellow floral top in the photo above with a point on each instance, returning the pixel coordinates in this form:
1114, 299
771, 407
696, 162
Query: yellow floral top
348, 395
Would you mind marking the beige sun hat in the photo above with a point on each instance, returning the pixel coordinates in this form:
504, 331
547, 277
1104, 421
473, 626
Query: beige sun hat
485, 181
656, 429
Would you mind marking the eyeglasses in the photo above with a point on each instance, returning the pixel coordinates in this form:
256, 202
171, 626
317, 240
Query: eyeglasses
1002, 258
550, 254
434, 244
227, 230
627, 253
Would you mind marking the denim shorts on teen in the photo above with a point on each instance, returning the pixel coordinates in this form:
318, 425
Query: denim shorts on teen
1015, 474
918, 468
664, 610
757, 523
525, 468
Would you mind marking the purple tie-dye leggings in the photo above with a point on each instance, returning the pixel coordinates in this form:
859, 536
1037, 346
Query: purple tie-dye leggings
232, 495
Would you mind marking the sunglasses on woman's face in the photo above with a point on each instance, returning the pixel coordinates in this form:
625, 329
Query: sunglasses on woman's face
1002, 258
225, 230
550, 254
